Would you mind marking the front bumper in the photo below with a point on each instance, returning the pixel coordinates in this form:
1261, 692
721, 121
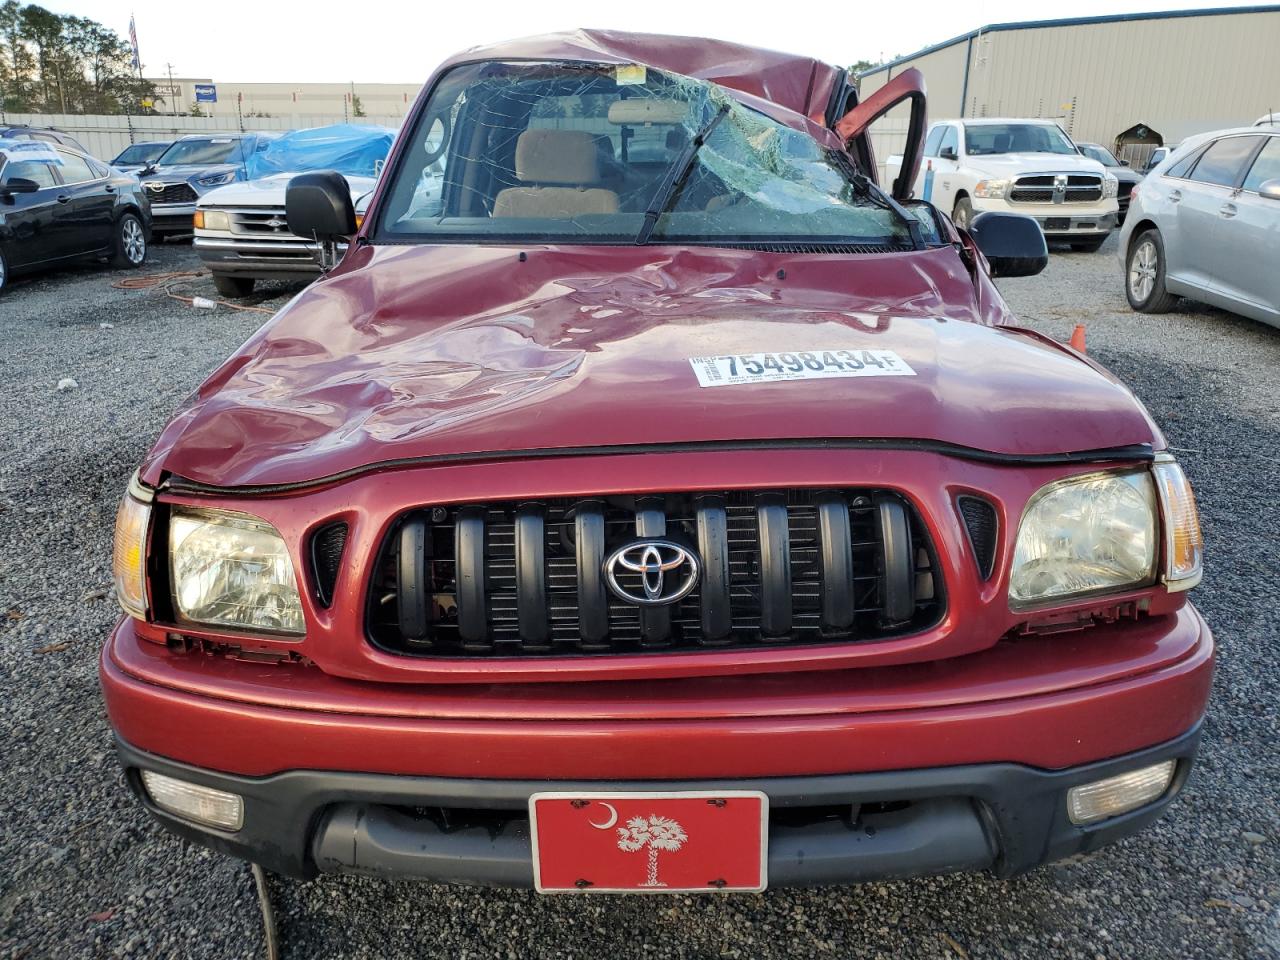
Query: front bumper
247, 257
1001, 817
332, 771
172, 217
1076, 220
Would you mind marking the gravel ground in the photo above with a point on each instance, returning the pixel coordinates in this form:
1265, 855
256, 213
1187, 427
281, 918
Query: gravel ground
86, 874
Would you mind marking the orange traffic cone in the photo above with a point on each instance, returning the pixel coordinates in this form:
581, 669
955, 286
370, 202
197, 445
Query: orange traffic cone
1077, 338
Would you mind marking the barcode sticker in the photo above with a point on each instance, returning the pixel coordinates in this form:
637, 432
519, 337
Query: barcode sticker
743, 368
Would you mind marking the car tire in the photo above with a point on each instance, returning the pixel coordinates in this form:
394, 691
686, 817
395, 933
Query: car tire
129, 247
234, 287
962, 214
1088, 246
4, 272
1144, 274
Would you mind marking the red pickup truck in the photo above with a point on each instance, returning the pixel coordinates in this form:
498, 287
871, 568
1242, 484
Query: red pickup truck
649, 500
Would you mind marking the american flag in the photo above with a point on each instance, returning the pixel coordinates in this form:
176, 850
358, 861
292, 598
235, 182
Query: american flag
133, 42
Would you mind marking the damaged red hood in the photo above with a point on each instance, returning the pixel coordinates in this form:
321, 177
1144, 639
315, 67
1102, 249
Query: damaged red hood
433, 351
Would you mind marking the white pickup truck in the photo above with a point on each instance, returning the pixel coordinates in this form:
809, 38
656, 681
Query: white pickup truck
242, 236
1016, 166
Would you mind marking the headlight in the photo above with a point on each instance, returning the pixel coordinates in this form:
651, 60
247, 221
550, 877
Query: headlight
129, 556
1183, 542
232, 570
212, 220
1090, 534
1110, 186
217, 179
991, 189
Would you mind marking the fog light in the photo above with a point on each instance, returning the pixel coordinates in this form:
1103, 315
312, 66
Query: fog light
1113, 796
215, 808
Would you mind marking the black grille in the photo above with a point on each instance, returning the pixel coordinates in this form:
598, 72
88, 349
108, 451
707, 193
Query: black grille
1038, 188
777, 568
326, 559
980, 522
172, 193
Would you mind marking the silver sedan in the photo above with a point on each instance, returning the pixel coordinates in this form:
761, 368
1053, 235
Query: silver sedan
1205, 224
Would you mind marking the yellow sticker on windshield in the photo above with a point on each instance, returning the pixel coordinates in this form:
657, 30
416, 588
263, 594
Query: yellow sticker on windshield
629, 74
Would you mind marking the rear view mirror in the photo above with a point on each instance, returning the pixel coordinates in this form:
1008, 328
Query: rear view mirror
1013, 244
319, 205
1270, 189
1124, 163
19, 185
948, 153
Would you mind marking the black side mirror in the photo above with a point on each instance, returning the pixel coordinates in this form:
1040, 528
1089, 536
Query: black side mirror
1013, 243
1124, 163
948, 153
148, 170
19, 185
319, 205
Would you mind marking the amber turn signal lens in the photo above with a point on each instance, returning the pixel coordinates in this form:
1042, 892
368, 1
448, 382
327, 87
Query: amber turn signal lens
128, 562
197, 220
1183, 541
359, 220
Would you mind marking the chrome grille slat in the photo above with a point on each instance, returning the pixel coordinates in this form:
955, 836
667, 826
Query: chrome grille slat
779, 567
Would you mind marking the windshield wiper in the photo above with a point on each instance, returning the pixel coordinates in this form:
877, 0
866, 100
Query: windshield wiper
676, 177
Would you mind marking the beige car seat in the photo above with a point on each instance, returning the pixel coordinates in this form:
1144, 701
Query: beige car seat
559, 166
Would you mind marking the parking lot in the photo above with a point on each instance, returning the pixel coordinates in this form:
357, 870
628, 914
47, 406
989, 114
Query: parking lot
87, 873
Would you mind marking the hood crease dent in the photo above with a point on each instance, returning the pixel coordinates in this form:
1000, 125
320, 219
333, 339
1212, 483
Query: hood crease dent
424, 352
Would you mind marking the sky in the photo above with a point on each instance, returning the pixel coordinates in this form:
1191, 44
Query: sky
388, 41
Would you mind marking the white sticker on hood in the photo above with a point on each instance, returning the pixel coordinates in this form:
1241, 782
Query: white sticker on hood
733, 369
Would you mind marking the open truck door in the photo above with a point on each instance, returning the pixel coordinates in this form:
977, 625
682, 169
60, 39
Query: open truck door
853, 126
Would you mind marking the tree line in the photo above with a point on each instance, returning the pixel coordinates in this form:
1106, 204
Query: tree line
54, 63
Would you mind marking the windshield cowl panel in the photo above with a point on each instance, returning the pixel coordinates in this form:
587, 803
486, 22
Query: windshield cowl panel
563, 151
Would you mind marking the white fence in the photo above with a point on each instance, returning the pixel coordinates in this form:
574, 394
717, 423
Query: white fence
106, 136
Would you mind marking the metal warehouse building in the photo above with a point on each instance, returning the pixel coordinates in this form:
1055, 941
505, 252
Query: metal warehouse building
1129, 81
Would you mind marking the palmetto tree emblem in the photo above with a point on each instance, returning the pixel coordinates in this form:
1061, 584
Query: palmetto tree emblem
655, 833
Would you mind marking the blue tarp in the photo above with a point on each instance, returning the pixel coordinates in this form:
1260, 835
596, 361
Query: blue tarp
348, 148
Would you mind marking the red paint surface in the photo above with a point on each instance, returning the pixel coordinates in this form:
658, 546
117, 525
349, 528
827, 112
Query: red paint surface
977, 612
692, 843
431, 351
859, 720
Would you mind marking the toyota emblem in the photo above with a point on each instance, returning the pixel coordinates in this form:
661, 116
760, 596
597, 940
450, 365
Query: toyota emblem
154, 185
667, 572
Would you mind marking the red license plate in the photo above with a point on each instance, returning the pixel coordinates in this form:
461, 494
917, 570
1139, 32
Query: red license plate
649, 842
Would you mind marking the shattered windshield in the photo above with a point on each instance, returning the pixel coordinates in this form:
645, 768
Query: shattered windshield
558, 152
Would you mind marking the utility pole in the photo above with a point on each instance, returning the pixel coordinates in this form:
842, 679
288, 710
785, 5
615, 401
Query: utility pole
173, 107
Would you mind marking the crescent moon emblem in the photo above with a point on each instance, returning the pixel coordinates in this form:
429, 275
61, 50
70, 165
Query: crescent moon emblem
613, 817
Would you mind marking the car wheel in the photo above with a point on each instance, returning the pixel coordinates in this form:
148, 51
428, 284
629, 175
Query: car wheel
130, 247
1144, 274
233, 286
1089, 246
962, 215
4, 271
